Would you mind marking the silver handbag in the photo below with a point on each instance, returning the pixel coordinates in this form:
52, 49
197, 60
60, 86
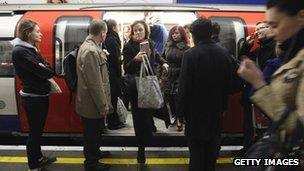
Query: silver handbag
149, 93
121, 111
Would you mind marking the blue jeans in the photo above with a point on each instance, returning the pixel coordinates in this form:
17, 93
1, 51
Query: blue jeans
36, 109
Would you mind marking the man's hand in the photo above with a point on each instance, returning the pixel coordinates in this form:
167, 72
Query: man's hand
250, 39
251, 73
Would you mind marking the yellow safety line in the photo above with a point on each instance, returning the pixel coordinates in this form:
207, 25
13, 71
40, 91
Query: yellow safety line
115, 161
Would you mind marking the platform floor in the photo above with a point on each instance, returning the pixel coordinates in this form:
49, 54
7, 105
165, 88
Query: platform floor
13, 158
160, 125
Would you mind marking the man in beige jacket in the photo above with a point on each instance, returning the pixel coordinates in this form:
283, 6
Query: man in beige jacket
93, 100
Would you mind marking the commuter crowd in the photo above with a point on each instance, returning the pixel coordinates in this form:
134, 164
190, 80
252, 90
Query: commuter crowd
188, 72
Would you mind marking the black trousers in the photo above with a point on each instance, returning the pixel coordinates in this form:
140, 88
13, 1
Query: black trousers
203, 154
248, 125
36, 109
143, 123
92, 130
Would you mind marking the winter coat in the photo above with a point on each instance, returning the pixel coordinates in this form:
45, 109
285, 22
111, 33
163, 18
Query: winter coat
174, 54
113, 46
27, 62
204, 79
93, 87
286, 89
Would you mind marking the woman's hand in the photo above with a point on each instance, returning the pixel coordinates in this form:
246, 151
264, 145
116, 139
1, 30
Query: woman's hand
138, 57
251, 73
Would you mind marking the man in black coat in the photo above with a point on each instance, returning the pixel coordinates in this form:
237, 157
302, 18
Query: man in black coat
204, 81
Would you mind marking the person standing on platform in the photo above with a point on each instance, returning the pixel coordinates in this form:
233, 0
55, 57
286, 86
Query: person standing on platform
142, 118
260, 55
93, 99
204, 77
34, 73
113, 46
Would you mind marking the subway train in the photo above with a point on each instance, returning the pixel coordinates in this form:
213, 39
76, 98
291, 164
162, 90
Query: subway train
65, 26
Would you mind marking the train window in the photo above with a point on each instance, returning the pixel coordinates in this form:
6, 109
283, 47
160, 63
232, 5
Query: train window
232, 32
6, 64
65, 40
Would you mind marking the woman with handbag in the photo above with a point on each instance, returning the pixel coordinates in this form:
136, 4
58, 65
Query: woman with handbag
177, 44
35, 74
142, 118
286, 19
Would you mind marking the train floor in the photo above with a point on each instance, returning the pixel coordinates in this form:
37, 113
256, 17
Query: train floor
13, 158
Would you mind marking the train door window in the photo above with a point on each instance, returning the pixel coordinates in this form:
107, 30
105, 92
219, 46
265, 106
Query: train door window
6, 64
232, 32
70, 32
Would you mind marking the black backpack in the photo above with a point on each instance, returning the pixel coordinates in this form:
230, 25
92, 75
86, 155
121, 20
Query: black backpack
69, 67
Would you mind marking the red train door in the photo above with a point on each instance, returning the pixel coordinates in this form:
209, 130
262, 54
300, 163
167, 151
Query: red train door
62, 30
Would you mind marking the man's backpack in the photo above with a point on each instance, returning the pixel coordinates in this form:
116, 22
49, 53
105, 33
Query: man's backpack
69, 67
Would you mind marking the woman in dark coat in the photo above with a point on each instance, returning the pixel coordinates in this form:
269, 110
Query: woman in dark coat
178, 43
113, 46
34, 73
142, 118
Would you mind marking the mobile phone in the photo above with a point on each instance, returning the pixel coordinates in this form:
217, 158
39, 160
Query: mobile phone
145, 47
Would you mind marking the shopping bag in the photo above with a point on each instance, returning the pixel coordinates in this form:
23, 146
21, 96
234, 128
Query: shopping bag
121, 111
149, 93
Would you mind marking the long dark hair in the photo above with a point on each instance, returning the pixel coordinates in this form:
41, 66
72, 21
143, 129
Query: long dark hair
290, 7
295, 44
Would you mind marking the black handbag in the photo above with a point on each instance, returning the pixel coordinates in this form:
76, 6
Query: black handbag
269, 144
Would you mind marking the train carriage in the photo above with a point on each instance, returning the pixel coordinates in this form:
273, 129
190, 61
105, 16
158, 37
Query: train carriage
65, 28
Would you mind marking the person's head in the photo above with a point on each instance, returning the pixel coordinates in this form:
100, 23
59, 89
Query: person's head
201, 29
29, 31
56, 1
139, 31
187, 29
112, 25
98, 29
126, 31
285, 18
216, 29
178, 34
263, 31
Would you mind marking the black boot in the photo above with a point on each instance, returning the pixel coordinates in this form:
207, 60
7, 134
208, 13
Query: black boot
141, 158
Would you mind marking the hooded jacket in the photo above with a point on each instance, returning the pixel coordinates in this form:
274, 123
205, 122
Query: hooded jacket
31, 68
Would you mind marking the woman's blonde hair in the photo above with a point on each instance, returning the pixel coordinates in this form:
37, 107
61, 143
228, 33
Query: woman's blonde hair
25, 28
